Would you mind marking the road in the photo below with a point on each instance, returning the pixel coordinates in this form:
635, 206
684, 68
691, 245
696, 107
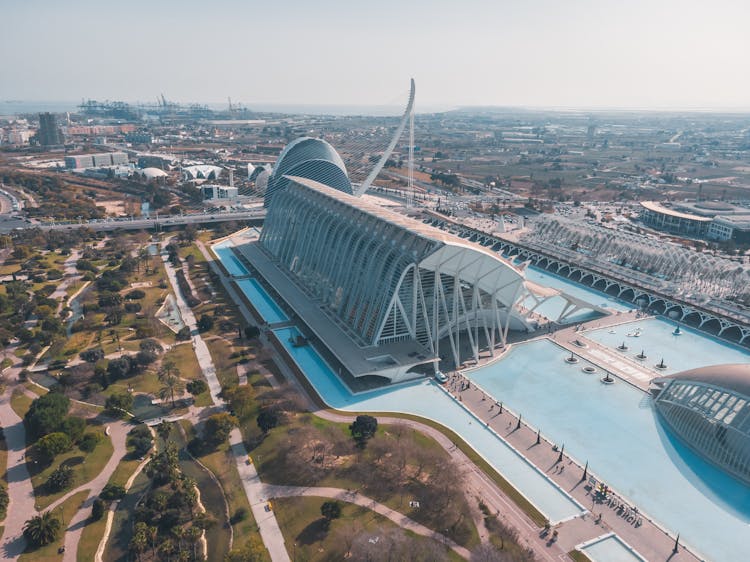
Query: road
9, 223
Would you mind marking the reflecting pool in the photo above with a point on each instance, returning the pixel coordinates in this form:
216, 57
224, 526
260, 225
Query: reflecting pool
616, 429
689, 350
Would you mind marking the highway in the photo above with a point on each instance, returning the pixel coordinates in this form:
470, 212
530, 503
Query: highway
9, 223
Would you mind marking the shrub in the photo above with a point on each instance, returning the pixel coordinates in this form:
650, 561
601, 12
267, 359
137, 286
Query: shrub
151, 345
132, 307
197, 387
89, 442
74, 428
363, 428
97, 509
183, 334
145, 357
205, 323
135, 294
53, 444
239, 515
119, 402
92, 355
60, 479
112, 492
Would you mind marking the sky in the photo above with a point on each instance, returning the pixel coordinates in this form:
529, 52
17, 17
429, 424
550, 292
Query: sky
645, 54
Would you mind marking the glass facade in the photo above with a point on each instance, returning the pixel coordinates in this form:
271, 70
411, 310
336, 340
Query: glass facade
713, 420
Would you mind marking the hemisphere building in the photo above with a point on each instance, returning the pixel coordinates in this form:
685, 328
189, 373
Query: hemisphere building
309, 158
709, 409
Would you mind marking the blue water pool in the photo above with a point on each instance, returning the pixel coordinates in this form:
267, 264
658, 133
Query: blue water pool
232, 264
610, 548
575, 290
690, 350
262, 301
617, 431
427, 399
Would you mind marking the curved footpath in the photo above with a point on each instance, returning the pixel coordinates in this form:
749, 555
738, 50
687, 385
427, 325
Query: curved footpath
20, 492
274, 491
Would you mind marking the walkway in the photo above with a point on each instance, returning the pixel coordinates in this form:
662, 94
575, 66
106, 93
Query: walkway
266, 521
648, 538
20, 491
399, 519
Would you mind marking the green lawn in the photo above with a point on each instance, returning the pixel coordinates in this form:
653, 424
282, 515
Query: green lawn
300, 522
226, 368
85, 467
578, 556
67, 510
185, 359
90, 537
20, 402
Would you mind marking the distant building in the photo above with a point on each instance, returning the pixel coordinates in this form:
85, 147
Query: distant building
201, 172
139, 137
49, 133
713, 220
98, 160
212, 191
18, 138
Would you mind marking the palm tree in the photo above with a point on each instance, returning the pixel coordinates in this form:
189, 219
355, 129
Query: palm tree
164, 429
42, 529
172, 386
168, 369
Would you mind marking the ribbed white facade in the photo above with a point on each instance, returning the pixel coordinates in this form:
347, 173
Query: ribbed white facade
384, 277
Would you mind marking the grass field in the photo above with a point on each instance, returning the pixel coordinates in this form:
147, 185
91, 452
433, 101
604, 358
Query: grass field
301, 524
20, 402
66, 512
85, 467
90, 537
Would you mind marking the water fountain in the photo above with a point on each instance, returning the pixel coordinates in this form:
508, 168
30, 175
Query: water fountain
661, 365
589, 370
677, 331
642, 355
607, 379
622, 347
572, 359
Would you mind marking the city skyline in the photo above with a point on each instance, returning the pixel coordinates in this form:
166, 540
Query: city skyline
668, 55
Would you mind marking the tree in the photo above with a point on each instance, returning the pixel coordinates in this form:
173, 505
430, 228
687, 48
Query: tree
183, 334
60, 478
363, 428
47, 414
92, 355
53, 444
330, 510
197, 386
168, 369
218, 427
42, 529
172, 386
112, 492
252, 332
97, 509
267, 420
205, 323
74, 427
119, 402
164, 429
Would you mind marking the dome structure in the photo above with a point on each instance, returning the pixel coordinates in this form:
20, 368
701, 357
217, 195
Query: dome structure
709, 409
151, 173
308, 158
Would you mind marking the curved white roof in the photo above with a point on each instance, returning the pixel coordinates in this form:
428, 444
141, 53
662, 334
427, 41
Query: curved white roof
202, 171
151, 173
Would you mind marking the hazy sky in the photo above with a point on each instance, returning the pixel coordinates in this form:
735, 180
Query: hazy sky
572, 53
